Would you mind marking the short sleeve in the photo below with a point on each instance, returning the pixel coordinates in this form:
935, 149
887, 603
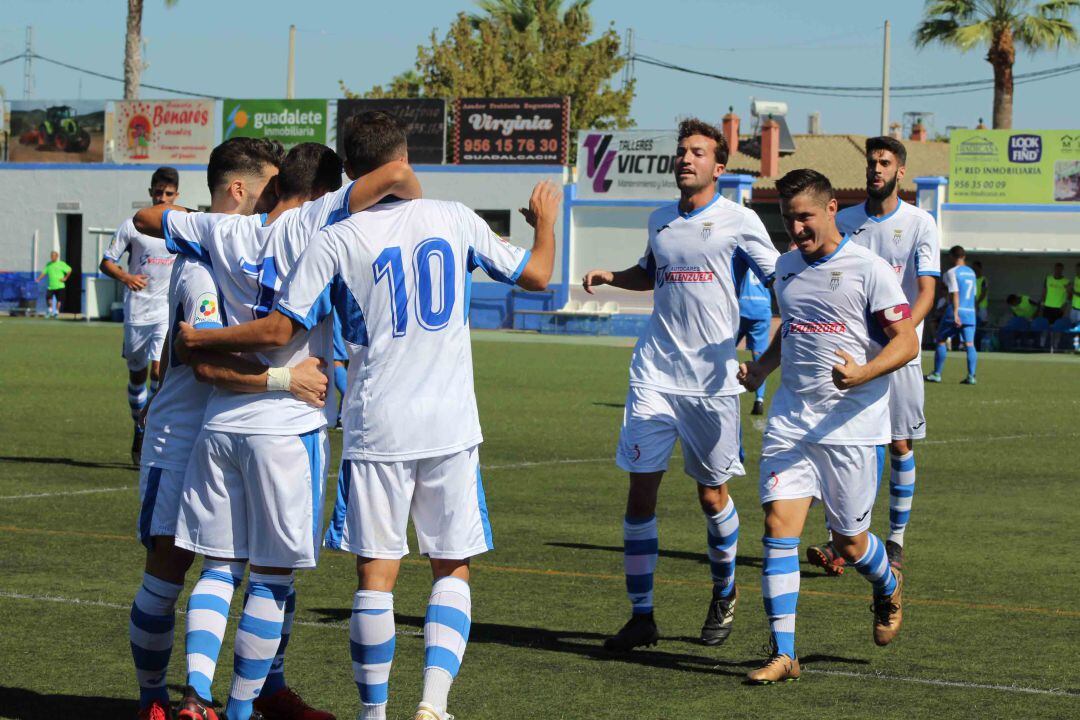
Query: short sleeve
65, 266
883, 290
330, 208
199, 301
950, 282
186, 233
647, 261
755, 247
499, 259
928, 250
305, 297
120, 243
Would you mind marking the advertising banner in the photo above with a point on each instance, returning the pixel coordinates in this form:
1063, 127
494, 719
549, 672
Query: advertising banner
57, 131
626, 164
425, 120
163, 132
290, 122
511, 130
1014, 166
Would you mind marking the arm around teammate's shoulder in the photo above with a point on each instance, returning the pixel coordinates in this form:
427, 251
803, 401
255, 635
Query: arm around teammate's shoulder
151, 220
394, 178
542, 214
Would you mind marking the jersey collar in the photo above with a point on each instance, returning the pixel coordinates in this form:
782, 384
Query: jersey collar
830, 256
703, 208
883, 218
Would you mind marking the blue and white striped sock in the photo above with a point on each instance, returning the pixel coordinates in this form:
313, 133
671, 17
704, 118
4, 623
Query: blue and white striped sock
136, 399
371, 644
780, 590
275, 681
155, 385
723, 532
207, 616
901, 492
257, 639
640, 550
446, 633
874, 566
153, 617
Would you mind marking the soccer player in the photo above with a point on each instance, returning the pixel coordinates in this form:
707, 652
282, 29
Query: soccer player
237, 174
908, 240
845, 324
146, 296
682, 374
58, 273
398, 277
240, 496
959, 320
755, 318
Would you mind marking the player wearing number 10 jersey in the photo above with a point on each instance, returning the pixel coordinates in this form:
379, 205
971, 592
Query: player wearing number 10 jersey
399, 278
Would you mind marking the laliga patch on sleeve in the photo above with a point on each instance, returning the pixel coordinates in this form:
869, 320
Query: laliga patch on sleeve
206, 308
895, 314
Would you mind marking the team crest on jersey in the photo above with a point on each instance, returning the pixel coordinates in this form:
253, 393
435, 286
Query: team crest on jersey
706, 230
897, 235
834, 279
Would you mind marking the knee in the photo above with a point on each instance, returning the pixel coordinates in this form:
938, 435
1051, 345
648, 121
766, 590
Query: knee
441, 568
712, 499
847, 547
137, 377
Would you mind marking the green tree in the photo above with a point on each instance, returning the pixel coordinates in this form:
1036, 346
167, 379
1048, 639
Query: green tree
133, 65
540, 51
1001, 25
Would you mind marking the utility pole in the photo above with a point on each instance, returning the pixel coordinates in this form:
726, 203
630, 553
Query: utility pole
628, 69
290, 77
28, 64
885, 83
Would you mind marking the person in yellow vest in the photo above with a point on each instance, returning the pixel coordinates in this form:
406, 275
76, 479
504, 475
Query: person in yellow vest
982, 303
1023, 306
1055, 303
1074, 314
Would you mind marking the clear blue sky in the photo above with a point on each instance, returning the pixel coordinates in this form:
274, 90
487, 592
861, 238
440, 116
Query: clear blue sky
238, 48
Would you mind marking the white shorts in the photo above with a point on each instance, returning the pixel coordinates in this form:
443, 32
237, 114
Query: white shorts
708, 428
143, 344
843, 477
255, 497
159, 496
444, 495
907, 392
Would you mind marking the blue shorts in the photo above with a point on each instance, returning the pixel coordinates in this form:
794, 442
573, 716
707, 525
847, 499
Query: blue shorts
756, 333
949, 329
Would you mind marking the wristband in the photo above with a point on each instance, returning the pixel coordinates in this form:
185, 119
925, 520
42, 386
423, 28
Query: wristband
278, 378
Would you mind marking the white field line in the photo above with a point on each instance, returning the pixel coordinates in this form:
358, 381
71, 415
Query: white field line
962, 684
69, 492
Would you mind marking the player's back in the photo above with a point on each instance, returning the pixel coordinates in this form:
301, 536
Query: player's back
964, 284
402, 296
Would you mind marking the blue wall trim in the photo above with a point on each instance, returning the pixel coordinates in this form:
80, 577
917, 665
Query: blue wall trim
978, 207
569, 200
148, 168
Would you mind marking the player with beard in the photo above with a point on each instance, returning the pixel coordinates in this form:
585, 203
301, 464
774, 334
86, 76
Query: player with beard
907, 238
682, 374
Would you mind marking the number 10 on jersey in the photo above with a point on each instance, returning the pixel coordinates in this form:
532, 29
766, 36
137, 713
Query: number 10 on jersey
435, 276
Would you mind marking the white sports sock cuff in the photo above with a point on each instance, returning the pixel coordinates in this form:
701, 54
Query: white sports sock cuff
373, 600
269, 579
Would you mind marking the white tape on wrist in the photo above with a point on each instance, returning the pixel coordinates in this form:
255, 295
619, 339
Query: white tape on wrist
278, 378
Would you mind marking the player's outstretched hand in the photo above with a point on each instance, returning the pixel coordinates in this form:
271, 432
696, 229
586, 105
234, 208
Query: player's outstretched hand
596, 277
308, 381
751, 375
182, 343
543, 205
848, 374
136, 283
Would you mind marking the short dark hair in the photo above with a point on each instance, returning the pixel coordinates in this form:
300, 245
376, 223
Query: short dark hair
884, 142
165, 175
241, 155
694, 126
804, 180
956, 252
373, 139
1012, 300
307, 169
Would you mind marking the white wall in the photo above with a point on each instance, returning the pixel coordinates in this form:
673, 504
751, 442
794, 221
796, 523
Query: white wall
609, 238
1011, 231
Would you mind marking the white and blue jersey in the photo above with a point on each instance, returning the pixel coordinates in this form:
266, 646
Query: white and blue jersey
399, 277
961, 280
688, 347
907, 239
251, 261
755, 300
146, 256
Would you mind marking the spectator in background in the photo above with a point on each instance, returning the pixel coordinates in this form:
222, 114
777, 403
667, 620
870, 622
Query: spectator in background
1055, 295
755, 321
58, 272
1024, 310
982, 303
1074, 314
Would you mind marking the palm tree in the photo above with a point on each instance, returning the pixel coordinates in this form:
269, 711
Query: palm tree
133, 66
1001, 25
520, 14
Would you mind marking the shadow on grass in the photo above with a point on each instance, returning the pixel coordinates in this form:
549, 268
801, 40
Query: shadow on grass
22, 704
71, 462
620, 406
590, 645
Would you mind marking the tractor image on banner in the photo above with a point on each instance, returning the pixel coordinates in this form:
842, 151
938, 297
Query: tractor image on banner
55, 131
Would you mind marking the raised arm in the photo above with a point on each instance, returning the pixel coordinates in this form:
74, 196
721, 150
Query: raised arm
542, 214
394, 178
151, 221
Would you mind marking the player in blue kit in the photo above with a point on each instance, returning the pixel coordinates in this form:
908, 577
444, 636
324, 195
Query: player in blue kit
755, 319
682, 375
399, 277
960, 316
